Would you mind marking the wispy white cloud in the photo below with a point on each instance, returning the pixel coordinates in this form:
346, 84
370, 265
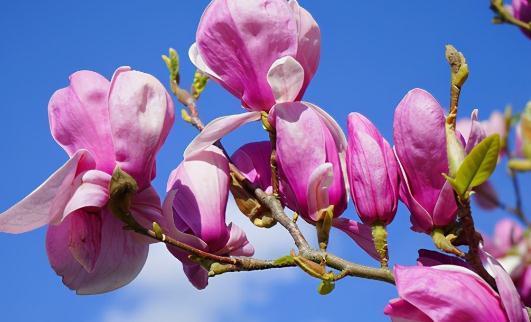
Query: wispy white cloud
162, 292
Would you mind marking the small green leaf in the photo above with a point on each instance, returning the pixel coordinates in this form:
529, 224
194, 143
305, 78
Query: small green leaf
521, 165
477, 166
199, 84
326, 287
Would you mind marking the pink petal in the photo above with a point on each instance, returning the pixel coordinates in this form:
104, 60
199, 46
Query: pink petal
141, 114
286, 77
309, 47
79, 118
420, 141
524, 286
317, 193
120, 259
240, 40
93, 192
433, 291
199, 63
476, 134
372, 170
217, 129
238, 244
202, 186
360, 233
252, 160
446, 207
508, 293
402, 311
146, 207
507, 234
85, 238
47, 202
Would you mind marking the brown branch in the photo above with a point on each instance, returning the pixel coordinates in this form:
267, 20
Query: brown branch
473, 239
223, 264
504, 16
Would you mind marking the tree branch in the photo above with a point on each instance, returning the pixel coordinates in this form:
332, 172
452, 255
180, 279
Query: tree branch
504, 16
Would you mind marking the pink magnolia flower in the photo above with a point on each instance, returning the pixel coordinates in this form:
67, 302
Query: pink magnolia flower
195, 209
420, 146
309, 154
453, 293
264, 52
240, 43
101, 125
522, 10
372, 172
510, 246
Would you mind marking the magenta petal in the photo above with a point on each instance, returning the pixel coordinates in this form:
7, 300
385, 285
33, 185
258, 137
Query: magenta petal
446, 207
252, 160
46, 203
507, 234
120, 260
433, 258
476, 134
217, 129
196, 274
402, 311
141, 114
372, 171
433, 291
522, 11
508, 293
524, 286
360, 233
79, 118
240, 40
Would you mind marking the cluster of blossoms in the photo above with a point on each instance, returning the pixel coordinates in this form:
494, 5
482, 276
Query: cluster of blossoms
265, 53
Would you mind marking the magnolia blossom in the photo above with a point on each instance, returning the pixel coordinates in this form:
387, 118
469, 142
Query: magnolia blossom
241, 43
372, 172
420, 146
453, 293
510, 246
195, 208
101, 125
310, 159
264, 52
252, 159
522, 10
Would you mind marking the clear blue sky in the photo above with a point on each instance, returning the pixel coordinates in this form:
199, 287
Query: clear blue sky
373, 53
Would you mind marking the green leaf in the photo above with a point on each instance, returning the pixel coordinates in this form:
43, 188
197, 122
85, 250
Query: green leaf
326, 287
477, 166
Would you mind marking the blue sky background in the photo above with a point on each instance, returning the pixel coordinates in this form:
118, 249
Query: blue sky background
373, 52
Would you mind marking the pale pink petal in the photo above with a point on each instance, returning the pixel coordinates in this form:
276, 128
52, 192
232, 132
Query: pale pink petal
85, 238
360, 233
317, 193
46, 203
217, 129
120, 259
202, 186
286, 77
79, 118
93, 192
238, 244
141, 113
199, 63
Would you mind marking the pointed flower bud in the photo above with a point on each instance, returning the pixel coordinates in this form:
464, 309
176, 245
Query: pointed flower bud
372, 172
420, 145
